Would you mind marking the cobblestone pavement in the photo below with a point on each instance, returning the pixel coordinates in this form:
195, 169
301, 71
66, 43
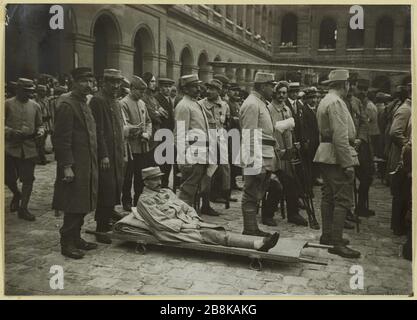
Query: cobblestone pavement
33, 247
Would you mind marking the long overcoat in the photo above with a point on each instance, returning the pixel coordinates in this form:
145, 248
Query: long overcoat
75, 144
109, 121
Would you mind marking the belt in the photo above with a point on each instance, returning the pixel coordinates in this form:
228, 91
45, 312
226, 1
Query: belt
268, 142
330, 140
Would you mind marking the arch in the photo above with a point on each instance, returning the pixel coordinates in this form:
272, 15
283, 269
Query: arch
384, 35
249, 18
203, 67
355, 37
289, 30
110, 15
170, 59
186, 61
144, 47
328, 33
265, 23
382, 82
106, 33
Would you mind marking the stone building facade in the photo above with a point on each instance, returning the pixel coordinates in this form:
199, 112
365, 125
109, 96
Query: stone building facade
172, 40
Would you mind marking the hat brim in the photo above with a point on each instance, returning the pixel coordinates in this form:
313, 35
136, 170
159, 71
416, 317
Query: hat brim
154, 176
29, 88
113, 77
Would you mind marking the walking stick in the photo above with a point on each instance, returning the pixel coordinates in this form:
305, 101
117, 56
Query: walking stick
355, 194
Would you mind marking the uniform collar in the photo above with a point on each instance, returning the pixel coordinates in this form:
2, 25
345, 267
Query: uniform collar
259, 96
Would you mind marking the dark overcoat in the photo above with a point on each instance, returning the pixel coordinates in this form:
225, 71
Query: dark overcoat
75, 144
109, 121
165, 103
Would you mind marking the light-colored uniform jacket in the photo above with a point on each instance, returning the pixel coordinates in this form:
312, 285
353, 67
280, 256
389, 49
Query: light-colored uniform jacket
190, 123
170, 219
136, 113
254, 114
337, 132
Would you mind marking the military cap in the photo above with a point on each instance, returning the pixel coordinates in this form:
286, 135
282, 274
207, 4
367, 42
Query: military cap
311, 92
151, 173
222, 78
26, 84
294, 85
112, 74
190, 79
82, 72
165, 81
41, 87
264, 77
214, 83
138, 83
234, 86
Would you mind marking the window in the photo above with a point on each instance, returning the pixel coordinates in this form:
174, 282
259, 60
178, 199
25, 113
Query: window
355, 38
328, 34
289, 30
384, 33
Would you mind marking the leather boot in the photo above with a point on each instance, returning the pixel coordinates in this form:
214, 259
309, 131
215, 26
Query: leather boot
298, 220
103, 227
81, 244
68, 248
269, 242
328, 241
206, 208
345, 252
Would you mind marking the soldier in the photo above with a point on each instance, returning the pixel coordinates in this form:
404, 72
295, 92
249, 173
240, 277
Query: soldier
76, 184
234, 104
42, 100
164, 85
216, 110
336, 157
254, 115
109, 121
23, 124
190, 118
400, 134
136, 115
364, 172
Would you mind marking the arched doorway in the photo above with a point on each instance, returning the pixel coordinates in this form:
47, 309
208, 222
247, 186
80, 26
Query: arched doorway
203, 67
142, 59
186, 60
170, 60
106, 39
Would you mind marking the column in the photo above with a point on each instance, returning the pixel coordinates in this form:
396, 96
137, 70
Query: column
176, 71
205, 73
151, 63
125, 57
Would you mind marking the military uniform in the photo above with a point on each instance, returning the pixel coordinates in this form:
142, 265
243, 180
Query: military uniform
191, 115
334, 154
254, 114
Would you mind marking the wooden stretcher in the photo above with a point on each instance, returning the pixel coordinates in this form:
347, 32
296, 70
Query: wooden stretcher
286, 250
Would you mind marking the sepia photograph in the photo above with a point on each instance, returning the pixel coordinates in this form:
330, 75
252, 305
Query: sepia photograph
206, 150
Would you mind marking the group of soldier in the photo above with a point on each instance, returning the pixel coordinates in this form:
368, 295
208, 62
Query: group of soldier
103, 138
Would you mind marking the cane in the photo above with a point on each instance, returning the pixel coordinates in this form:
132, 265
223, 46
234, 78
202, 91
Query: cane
355, 194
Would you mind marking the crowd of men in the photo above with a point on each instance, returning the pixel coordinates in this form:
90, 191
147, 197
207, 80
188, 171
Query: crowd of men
103, 137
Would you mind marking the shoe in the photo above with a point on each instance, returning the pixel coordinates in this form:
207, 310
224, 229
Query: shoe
269, 242
71, 252
348, 226
103, 239
328, 242
15, 203
258, 233
351, 218
24, 214
269, 222
209, 211
298, 220
363, 212
84, 245
313, 223
345, 252
127, 207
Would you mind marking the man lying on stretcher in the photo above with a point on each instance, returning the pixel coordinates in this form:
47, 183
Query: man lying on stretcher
170, 219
